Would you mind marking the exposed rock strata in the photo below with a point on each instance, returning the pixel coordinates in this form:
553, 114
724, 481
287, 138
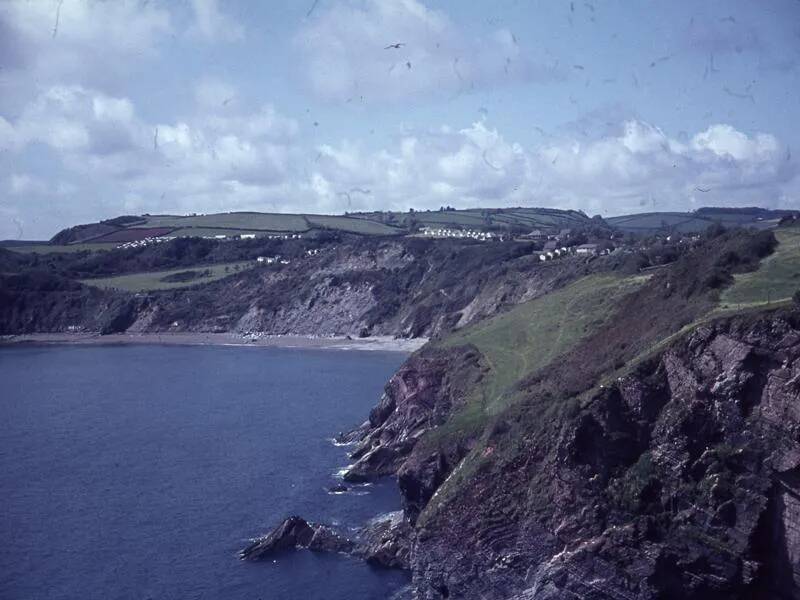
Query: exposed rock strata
402, 288
679, 481
418, 398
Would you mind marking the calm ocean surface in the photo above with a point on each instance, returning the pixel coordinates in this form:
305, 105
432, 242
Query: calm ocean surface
139, 471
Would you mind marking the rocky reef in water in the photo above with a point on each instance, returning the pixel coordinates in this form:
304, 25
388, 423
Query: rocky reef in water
383, 542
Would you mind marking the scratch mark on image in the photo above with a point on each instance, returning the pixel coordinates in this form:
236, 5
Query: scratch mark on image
311, 10
486, 160
58, 16
740, 95
660, 60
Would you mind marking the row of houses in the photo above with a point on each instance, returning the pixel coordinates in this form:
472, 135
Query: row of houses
541, 235
458, 233
148, 241
552, 252
272, 260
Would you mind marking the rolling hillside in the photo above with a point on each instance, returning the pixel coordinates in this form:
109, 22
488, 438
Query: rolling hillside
132, 228
697, 221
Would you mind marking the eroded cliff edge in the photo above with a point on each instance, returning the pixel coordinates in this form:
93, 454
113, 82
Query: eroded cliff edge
680, 478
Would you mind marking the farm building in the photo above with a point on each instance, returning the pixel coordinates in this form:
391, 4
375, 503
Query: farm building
586, 249
535, 235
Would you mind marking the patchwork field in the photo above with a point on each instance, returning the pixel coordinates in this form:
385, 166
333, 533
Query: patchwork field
695, 222
235, 223
482, 218
165, 280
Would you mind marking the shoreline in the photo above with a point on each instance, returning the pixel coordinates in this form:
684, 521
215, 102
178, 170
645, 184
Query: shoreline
378, 343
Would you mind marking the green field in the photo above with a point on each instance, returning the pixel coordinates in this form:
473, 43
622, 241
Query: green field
151, 281
777, 278
211, 231
527, 337
694, 222
477, 218
351, 225
249, 221
374, 223
54, 248
234, 223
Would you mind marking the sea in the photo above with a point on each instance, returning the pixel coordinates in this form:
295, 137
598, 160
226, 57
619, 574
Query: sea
138, 472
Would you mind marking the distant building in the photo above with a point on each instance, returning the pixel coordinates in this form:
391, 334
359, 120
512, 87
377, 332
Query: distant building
551, 245
586, 249
246, 236
535, 235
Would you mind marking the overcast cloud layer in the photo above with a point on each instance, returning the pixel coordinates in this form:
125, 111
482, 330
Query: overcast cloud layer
111, 108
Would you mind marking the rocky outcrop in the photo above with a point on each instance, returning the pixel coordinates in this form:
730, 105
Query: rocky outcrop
419, 397
293, 533
679, 480
384, 542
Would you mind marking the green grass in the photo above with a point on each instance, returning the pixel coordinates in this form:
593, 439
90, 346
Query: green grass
477, 218
151, 281
351, 225
529, 336
776, 280
692, 222
683, 222
250, 221
212, 231
53, 248
275, 223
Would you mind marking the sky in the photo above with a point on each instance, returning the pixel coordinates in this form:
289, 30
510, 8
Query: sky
326, 106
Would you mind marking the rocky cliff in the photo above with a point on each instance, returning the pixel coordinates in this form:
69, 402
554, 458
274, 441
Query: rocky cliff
679, 478
400, 287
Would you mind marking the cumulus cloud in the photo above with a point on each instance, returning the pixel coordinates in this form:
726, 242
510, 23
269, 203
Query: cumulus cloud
638, 166
75, 41
393, 49
222, 159
77, 148
211, 25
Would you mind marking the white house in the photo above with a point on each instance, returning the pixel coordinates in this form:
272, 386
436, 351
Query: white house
586, 249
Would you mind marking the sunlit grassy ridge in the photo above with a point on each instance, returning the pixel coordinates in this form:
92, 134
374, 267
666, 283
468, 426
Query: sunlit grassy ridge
153, 280
526, 338
776, 279
519, 342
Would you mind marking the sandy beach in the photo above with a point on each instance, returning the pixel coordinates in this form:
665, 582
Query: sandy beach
382, 343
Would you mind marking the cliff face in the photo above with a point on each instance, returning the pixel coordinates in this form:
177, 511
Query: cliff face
679, 479
417, 399
404, 288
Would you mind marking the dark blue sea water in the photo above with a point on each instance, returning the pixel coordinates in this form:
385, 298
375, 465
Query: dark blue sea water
137, 472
